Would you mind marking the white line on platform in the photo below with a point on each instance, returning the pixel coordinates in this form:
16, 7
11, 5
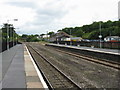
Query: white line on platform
38, 72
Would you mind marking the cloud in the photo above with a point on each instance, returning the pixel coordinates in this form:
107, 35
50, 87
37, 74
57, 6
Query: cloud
47, 16
42, 15
22, 4
39, 16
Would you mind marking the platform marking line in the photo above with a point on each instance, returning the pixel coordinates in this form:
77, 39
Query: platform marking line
38, 72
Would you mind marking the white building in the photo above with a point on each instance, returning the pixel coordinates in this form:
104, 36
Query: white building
112, 38
46, 36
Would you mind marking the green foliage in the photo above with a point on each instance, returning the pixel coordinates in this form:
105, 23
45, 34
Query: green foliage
50, 33
86, 35
30, 38
92, 31
42, 35
78, 33
11, 32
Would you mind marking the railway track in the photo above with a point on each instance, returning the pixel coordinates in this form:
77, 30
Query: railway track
112, 64
84, 73
56, 79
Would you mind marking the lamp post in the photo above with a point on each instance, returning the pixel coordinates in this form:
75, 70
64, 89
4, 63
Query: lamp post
47, 36
70, 38
16, 40
8, 32
17, 35
57, 39
100, 36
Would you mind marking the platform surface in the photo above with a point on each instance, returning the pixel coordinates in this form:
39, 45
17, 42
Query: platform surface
18, 71
13, 68
110, 51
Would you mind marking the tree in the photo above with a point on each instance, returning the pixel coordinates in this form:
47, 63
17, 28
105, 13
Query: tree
10, 32
92, 31
50, 33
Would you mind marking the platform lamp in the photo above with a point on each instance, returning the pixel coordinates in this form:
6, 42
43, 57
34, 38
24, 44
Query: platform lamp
8, 32
100, 36
70, 37
16, 38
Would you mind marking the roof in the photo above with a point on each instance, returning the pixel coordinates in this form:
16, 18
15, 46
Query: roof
61, 34
112, 37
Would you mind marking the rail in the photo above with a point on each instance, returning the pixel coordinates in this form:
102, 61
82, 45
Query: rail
69, 80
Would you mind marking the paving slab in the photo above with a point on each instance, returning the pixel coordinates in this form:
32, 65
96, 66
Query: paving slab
18, 70
32, 78
35, 85
15, 74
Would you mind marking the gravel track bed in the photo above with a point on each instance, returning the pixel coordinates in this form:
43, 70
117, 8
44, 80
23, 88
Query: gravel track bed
87, 74
57, 80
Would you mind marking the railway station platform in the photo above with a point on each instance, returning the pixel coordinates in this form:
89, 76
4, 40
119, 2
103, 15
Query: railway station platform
19, 70
111, 55
109, 51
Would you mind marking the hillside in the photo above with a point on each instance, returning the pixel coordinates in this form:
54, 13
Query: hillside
92, 31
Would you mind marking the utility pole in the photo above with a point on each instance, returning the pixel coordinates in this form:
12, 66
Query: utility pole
7, 34
47, 36
16, 38
70, 38
11, 32
13, 37
100, 36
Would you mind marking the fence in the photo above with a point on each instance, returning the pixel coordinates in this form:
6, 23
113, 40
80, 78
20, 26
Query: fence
4, 45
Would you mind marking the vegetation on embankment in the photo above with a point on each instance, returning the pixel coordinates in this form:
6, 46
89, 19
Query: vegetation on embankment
92, 31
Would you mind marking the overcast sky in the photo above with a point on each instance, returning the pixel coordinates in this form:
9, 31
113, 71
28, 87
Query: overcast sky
40, 16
